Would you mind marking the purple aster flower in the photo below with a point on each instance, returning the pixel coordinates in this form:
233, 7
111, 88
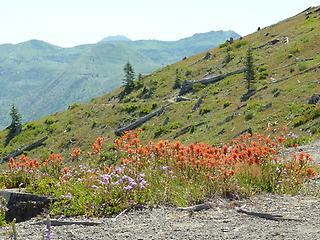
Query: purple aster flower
143, 183
119, 170
127, 188
105, 179
69, 196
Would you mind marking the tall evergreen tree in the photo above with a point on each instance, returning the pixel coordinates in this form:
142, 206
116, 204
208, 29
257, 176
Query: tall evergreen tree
250, 71
15, 118
128, 78
15, 126
177, 82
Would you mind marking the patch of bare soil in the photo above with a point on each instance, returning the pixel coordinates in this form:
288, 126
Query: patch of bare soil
258, 217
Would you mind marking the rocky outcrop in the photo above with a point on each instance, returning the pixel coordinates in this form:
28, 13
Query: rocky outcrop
23, 206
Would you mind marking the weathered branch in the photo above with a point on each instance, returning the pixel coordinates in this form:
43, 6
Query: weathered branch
20, 151
196, 208
55, 222
274, 217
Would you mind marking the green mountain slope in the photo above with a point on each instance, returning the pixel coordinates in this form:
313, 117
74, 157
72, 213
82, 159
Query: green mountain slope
41, 78
288, 74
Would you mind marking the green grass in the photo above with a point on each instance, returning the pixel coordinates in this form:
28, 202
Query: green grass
82, 123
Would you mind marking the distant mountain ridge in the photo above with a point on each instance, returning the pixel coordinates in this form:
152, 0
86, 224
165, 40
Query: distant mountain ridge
41, 78
115, 38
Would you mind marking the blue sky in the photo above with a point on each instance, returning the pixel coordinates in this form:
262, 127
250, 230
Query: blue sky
73, 22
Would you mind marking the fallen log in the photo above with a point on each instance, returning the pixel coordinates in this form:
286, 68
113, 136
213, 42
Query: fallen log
198, 104
187, 129
183, 131
248, 95
297, 74
20, 151
248, 130
187, 85
303, 59
140, 121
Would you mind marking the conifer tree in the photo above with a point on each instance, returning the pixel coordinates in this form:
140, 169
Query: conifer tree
128, 78
15, 118
15, 126
250, 72
177, 82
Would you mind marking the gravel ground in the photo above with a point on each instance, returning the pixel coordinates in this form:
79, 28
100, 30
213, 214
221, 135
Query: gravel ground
301, 220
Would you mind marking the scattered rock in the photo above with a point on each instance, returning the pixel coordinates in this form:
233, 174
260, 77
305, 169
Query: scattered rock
222, 221
166, 121
197, 105
230, 41
208, 56
314, 99
71, 142
267, 106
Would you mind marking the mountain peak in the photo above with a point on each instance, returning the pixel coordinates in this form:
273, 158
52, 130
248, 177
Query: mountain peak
116, 38
37, 44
